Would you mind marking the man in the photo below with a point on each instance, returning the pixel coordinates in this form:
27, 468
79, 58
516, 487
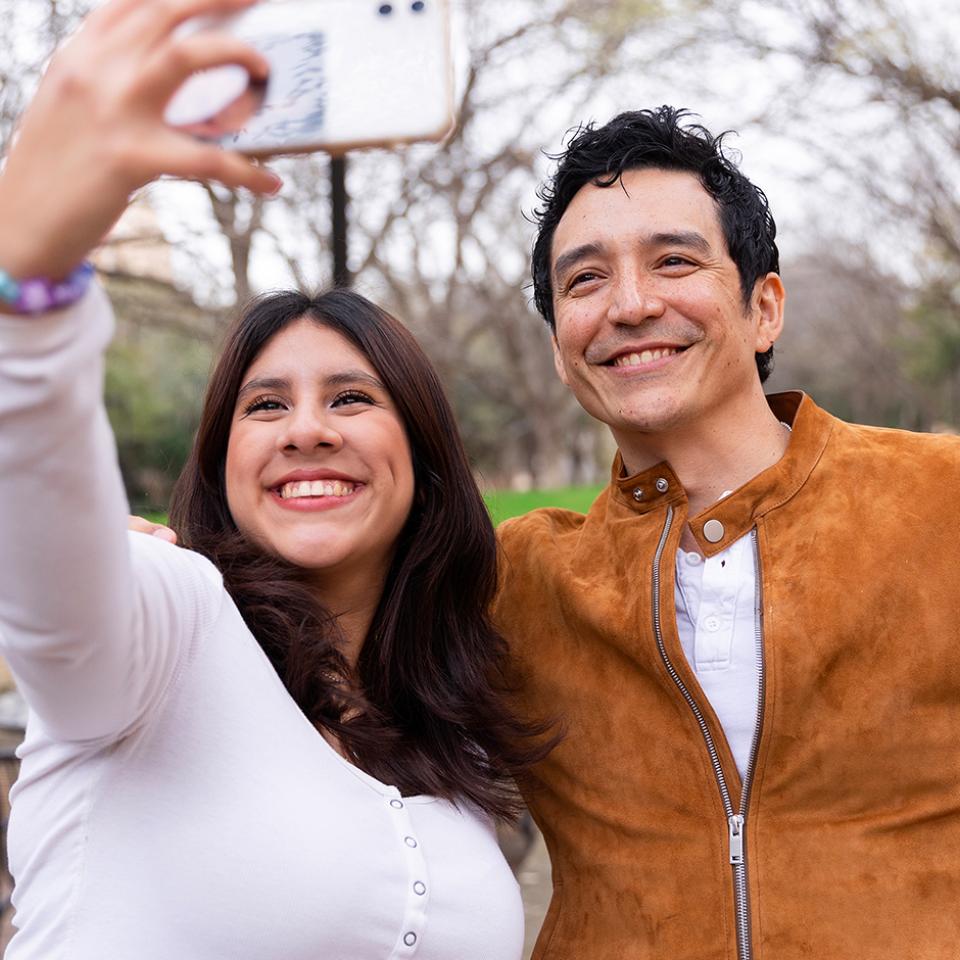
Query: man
752, 637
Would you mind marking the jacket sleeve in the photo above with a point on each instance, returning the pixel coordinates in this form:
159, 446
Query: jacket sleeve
94, 621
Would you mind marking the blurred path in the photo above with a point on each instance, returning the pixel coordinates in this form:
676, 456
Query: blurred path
535, 884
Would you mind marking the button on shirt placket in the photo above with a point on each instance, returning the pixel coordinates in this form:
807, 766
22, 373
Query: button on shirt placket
716, 621
418, 884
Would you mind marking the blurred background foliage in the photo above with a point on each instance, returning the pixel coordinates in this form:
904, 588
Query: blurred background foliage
848, 113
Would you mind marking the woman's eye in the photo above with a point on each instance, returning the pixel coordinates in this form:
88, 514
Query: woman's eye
263, 405
350, 397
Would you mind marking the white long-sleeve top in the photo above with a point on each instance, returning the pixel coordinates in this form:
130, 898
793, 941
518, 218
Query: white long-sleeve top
174, 803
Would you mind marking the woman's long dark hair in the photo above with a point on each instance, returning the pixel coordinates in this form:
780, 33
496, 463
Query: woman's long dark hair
425, 709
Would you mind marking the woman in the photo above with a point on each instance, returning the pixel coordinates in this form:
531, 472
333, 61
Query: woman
293, 751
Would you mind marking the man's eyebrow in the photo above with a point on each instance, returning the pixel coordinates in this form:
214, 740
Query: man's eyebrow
566, 260
683, 238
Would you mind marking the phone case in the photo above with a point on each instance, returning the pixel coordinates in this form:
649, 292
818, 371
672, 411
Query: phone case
343, 74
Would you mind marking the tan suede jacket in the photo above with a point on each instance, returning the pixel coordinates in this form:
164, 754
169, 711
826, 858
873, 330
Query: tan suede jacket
849, 843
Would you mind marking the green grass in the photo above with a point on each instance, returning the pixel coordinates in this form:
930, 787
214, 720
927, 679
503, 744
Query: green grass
504, 504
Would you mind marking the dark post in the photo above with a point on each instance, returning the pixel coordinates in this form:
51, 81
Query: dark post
338, 202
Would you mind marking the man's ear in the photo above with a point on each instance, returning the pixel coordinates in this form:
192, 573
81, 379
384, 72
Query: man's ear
558, 361
769, 299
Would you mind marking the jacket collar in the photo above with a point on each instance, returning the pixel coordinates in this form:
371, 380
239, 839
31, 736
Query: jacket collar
729, 519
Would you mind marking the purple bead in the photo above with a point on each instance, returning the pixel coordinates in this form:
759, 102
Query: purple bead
36, 296
39, 294
71, 289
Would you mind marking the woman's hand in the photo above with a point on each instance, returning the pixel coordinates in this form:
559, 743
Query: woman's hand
95, 131
139, 525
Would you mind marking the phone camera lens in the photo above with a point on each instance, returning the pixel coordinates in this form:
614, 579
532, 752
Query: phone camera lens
418, 6
386, 9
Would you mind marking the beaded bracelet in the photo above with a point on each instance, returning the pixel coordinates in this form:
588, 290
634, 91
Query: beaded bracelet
40, 294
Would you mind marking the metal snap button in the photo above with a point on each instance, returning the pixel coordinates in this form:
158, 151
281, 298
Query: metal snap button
419, 888
410, 938
663, 485
713, 531
638, 494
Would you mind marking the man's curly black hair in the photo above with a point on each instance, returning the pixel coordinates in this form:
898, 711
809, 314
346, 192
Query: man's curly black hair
661, 139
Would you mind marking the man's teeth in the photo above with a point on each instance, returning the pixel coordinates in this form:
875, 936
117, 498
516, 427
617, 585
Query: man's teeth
316, 488
647, 356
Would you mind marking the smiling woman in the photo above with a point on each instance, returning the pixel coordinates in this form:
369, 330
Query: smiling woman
288, 739
329, 484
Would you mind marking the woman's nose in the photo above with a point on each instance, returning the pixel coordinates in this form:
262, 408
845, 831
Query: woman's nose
306, 430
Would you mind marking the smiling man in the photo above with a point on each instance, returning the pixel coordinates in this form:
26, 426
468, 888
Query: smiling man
753, 635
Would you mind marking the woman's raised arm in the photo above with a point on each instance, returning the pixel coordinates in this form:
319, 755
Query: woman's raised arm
90, 631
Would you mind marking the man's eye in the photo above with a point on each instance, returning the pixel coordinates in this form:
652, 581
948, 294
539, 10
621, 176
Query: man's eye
676, 261
584, 277
350, 397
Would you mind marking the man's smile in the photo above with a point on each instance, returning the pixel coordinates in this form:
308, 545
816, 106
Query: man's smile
646, 358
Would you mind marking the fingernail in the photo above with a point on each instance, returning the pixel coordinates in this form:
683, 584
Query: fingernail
276, 185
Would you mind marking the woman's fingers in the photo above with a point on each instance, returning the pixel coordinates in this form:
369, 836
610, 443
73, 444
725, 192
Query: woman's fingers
153, 21
95, 131
180, 156
139, 525
108, 14
170, 65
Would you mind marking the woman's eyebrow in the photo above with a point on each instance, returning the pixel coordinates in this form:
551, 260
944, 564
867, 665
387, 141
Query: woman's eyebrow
263, 383
341, 379
347, 377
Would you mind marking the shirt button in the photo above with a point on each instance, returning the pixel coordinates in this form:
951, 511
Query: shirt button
410, 842
419, 888
693, 559
410, 938
712, 624
396, 804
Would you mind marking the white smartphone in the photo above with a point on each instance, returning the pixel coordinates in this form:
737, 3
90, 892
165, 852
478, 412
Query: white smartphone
343, 74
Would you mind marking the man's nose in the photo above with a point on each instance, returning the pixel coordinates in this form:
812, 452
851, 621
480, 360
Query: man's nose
634, 298
307, 429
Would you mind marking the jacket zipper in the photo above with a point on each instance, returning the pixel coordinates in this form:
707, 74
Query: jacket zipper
736, 820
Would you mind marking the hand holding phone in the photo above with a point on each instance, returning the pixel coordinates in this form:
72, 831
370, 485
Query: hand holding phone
95, 132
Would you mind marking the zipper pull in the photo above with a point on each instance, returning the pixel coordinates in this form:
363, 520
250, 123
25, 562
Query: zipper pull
736, 840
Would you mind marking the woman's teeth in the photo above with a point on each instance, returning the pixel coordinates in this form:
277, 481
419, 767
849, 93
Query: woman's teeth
316, 488
647, 356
